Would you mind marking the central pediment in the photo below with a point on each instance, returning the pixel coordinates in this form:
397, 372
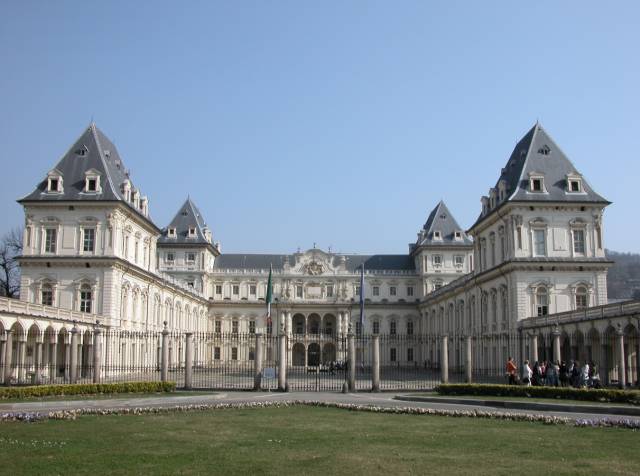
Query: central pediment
314, 262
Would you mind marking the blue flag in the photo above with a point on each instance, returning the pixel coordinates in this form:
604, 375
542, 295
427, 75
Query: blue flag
362, 298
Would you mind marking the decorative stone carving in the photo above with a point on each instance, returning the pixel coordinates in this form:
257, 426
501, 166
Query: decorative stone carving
313, 268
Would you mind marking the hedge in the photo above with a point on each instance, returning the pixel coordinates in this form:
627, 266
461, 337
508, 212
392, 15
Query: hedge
563, 393
86, 389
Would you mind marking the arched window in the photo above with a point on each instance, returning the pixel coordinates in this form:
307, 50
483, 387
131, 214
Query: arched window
376, 327
581, 297
392, 327
86, 298
542, 301
409, 327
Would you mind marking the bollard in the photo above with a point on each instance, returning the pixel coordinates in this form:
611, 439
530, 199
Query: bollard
352, 361
73, 360
468, 360
164, 370
444, 360
375, 371
282, 362
188, 361
257, 380
97, 356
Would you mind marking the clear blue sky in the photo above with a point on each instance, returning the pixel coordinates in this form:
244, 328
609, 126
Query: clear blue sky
340, 123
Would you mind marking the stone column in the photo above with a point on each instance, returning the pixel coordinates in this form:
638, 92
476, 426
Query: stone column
534, 348
38, 362
73, 360
97, 356
468, 359
289, 329
257, 381
107, 352
444, 359
351, 357
339, 325
556, 345
282, 362
67, 360
164, 366
3, 343
53, 358
8, 355
375, 361
622, 373
188, 361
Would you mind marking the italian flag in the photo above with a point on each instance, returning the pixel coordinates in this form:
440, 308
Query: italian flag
269, 297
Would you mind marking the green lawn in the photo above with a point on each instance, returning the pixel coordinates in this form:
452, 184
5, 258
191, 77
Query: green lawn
499, 398
311, 440
105, 396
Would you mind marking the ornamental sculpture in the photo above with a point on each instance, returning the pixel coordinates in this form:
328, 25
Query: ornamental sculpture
313, 268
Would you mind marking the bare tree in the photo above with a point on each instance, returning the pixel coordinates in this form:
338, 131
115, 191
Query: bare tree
10, 249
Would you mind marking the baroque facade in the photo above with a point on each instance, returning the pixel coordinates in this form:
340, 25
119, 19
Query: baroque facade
90, 247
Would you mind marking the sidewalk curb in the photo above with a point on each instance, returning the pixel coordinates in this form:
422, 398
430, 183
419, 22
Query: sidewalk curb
557, 407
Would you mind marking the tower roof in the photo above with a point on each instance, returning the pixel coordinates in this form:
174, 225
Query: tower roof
442, 229
92, 152
187, 218
537, 154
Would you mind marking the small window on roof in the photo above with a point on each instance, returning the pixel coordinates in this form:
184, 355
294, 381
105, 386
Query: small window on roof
172, 232
437, 235
458, 235
192, 232
536, 184
544, 150
82, 151
54, 184
574, 185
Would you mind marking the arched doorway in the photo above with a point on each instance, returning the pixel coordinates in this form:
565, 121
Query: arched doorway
313, 354
297, 323
298, 354
313, 322
328, 353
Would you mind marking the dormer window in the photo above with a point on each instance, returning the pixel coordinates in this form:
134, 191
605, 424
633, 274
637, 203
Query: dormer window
171, 232
82, 151
92, 185
536, 185
192, 232
574, 183
458, 235
536, 182
437, 235
54, 182
544, 150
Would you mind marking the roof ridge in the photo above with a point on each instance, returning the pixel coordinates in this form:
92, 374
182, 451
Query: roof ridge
94, 132
535, 128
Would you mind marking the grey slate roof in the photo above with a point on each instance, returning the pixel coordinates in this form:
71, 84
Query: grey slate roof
353, 262
554, 166
440, 219
100, 154
188, 216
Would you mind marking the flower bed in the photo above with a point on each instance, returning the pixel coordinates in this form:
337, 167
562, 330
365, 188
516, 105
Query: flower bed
564, 393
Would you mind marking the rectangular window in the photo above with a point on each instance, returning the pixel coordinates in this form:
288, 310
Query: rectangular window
376, 327
216, 353
519, 237
170, 258
392, 291
252, 327
47, 296
329, 290
578, 242
53, 185
252, 353
392, 354
218, 327
235, 290
85, 301
539, 244
536, 185
410, 354
191, 258
357, 290
218, 289
437, 260
92, 185
299, 291
410, 291
234, 353
459, 260
234, 327
376, 290
358, 328
581, 301
50, 240
392, 328
88, 240
252, 289
409, 328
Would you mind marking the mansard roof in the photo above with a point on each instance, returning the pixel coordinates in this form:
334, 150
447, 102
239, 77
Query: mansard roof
93, 151
188, 216
537, 154
352, 262
441, 221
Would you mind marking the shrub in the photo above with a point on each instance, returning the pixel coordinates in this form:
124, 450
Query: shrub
86, 389
564, 393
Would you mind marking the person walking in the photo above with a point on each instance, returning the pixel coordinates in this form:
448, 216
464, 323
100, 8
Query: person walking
527, 373
511, 371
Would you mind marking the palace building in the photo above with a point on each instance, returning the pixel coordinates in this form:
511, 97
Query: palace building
91, 248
